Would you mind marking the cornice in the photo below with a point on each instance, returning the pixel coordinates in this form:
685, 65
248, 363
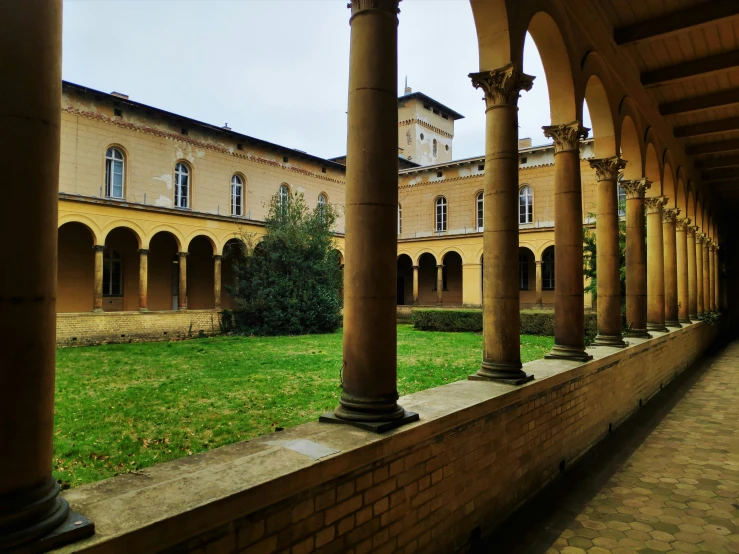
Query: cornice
116, 122
428, 126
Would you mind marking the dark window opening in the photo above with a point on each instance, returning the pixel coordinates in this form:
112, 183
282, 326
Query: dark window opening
523, 271
439, 174
481, 167
445, 116
427, 106
323, 170
523, 160
239, 146
184, 131
284, 159
118, 112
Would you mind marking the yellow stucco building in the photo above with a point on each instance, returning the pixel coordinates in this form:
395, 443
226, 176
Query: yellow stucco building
149, 200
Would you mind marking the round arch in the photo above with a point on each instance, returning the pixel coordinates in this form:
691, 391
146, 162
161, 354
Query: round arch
428, 251
542, 248
85, 221
631, 148
668, 187
448, 250
201, 233
653, 171
133, 227
601, 110
179, 239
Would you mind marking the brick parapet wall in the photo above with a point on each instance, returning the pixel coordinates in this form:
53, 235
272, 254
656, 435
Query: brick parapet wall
479, 451
85, 329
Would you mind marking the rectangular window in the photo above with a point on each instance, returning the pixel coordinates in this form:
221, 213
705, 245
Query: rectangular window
441, 216
114, 178
236, 199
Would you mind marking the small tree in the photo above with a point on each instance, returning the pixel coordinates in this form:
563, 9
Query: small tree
288, 283
590, 251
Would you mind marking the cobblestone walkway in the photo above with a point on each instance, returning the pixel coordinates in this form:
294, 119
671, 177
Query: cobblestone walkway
667, 481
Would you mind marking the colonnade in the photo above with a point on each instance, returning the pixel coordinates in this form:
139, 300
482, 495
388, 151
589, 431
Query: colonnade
659, 281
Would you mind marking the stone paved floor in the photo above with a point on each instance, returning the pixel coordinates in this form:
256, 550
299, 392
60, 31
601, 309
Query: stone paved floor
666, 481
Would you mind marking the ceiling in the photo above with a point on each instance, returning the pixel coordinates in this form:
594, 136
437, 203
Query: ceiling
687, 52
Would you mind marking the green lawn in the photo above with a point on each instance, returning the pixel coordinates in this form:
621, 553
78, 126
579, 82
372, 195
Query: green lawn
121, 408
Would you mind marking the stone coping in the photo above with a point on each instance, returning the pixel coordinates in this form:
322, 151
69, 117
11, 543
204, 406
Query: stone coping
171, 502
137, 313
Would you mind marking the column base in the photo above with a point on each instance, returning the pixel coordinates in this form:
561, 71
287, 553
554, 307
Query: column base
685, 321
98, 311
637, 334
143, 310
673, 324
614, 341
693, 317
375, 414
373, 426
574, 353
657, 327
181, 309
507, 374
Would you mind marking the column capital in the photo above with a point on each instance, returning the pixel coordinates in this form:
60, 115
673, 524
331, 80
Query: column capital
501, 86
182, 254
566, 136
683, 224
713, 246
692, 230
706, 241
144, 251
416, 267
635, 188
654, 204
358, 6
538, 262
608, 169
669, 215
439, 266
700, 238
217, 257
98, 247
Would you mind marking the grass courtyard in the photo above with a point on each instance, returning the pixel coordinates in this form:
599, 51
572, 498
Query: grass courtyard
121, 408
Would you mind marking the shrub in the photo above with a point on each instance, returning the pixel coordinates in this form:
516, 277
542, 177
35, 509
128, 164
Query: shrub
533, 322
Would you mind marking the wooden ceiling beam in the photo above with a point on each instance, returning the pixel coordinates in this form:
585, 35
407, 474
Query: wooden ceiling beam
676, 21
728, 161
720, 174
708, 101
693, 68
711, 147
707, 127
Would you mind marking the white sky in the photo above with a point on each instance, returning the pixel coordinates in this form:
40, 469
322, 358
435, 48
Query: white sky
278, 69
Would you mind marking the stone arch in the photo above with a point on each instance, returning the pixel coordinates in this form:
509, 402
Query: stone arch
494, 40
527, 274
690, 203
178, 237
202, 233
699, 214
75, 265
232, 252
97, 235
426, 251
668, 186
631, 147
681, 198
653, 171
124, 241
600, 107
133, 227
542, 248
405, 279
449, 249
555, 57
200, 277
164, 243
427, 273
452, 276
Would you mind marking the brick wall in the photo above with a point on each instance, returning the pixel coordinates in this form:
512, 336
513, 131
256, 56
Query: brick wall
478, 452
84, 329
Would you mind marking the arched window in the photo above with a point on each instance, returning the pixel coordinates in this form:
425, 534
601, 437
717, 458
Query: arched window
525, 205
621, 200
322, 200
284, 196
523, 270
480, 205
435, 148
237, 195
114, 173
112, 273
400, 219
547, 269
181, 186
441, 214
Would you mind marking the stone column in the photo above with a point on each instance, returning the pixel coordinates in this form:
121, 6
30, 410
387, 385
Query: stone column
415, 285
683, 298
692, 285
699, 238
707, 308
608, 253
501, 357
539, 283
712, 275
569, 309
182, 288
30, 111
97, 285
655, 266
369, 396
669, 217
439, 283
217, 281
636, 258
143, 279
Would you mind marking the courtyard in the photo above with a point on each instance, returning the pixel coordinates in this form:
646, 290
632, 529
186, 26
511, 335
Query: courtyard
122, 408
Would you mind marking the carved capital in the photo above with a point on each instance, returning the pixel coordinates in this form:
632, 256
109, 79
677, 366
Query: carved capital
692, 230
706, 241
669, 215
635, 188
99, 247
144, 251
683, 224
567, 136
182, 254
655, 204
501, 86
358, 6
607, 169
700, 238
217, 257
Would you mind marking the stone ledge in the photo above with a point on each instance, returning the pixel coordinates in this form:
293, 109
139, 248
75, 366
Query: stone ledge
171, 503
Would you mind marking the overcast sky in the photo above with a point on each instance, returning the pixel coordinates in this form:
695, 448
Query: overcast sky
278, 69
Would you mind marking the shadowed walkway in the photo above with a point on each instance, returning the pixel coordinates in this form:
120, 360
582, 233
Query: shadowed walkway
666, 481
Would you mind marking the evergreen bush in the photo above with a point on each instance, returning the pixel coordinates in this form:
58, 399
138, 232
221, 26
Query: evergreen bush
289, 282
